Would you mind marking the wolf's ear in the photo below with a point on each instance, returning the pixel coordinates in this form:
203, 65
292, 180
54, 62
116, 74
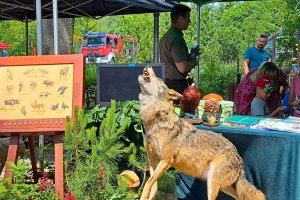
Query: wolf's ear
172, 95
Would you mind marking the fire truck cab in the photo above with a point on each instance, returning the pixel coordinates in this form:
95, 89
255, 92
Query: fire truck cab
101, 47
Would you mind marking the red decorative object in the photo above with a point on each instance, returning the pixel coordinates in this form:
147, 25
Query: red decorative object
213, 97
190, 100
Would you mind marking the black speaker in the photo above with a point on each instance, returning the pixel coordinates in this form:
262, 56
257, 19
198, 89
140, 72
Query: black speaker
120, 81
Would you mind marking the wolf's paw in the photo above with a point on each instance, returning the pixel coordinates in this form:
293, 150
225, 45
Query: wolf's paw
143, 198
145, 195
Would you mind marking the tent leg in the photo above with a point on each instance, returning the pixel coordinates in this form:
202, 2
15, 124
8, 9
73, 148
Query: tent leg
156, 38
198, 43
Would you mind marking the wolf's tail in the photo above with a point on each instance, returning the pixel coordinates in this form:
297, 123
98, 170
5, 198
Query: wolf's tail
246, 191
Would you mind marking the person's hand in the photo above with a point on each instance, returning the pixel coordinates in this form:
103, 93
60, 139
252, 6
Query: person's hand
296, 103
195, 62
281, 90
281, 108
277, 111
197, 51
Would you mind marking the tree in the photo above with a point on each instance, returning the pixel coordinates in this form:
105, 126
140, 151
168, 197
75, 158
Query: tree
65, 36
226, 30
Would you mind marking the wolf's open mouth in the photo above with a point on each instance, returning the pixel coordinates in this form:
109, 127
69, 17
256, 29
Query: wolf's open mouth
146, 76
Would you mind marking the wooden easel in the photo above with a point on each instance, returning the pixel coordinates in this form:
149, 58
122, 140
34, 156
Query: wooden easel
67, 67
58, 158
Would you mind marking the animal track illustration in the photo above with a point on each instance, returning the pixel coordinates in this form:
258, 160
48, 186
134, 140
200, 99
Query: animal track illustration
62, 90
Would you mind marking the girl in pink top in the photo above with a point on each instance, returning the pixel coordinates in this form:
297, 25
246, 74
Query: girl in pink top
246, 90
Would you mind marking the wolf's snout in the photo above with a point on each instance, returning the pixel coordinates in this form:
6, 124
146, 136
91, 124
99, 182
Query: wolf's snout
146, 73
148, 67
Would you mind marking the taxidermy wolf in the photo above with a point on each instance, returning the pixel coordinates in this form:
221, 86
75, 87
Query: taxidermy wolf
171, 141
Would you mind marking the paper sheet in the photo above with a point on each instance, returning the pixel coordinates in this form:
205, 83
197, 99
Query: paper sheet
290, 124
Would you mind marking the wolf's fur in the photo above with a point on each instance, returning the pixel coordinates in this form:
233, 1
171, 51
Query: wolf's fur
173, 142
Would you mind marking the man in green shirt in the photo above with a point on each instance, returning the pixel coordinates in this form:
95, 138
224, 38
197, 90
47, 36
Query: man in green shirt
174, 52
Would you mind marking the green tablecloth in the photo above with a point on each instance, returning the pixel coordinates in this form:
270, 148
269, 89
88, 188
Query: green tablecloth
272, 164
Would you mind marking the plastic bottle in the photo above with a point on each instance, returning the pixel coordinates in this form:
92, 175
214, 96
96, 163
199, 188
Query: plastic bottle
193, 53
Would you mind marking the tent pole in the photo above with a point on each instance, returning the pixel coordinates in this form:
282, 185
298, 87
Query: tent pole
39, 27
274, 47
26, 33
198, 43
55, 26
156, 38
39, 53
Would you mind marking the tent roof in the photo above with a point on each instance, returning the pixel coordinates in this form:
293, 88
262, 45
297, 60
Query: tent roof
18, 9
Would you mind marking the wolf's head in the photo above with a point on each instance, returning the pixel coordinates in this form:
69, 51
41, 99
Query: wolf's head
150, 84
153, 87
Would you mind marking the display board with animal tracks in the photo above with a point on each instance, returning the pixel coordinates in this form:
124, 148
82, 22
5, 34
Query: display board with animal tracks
38, 92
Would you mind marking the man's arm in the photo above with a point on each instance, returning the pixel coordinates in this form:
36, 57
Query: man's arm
247, 57
186, 66
246, 66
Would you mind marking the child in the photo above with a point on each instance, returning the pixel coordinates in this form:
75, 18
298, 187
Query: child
263, 91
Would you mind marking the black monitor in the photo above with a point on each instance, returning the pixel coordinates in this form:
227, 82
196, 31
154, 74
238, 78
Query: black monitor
120, 81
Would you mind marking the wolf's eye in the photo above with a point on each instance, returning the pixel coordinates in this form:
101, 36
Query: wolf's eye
161, 90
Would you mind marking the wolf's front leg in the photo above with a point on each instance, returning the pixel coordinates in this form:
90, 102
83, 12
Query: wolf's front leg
153, 164
160, 169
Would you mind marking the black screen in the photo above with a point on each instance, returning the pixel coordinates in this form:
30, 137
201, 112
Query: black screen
120, 81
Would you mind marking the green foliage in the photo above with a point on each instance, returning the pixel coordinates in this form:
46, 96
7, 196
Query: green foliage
226, 30
79, 175
215, 79
96, 115
82, 25
167, 182
47, 195
13, 33
131, 109
138, 25
91, 161
132, 137
134, 151
120, 137
90, 75
20, 190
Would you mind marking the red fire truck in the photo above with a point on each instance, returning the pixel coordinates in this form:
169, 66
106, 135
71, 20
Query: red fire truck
101, 47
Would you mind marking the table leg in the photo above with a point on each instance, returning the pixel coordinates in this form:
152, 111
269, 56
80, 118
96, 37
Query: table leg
12, 153
59, 170
32, 157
